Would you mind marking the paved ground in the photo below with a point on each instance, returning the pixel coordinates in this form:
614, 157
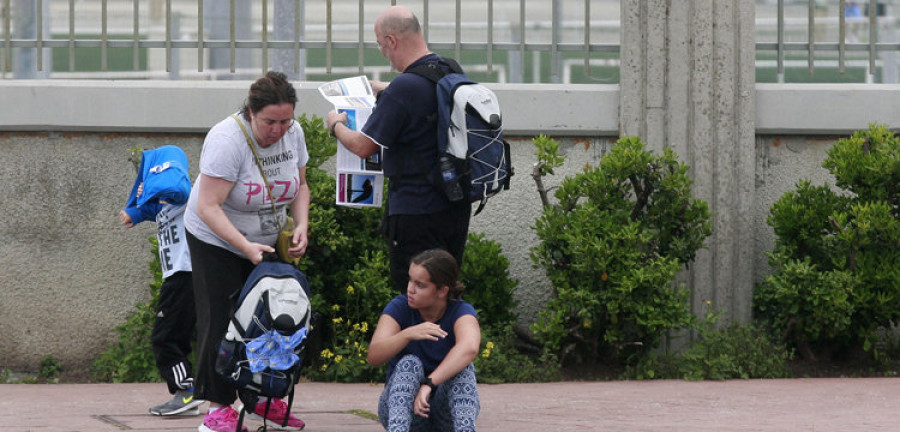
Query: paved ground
820, 405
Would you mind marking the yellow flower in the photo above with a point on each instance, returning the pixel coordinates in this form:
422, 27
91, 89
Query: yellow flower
324, 368
489, 345
486, 353
350, 289
338, 358
365, 327
335, 308
326, 354
337, 320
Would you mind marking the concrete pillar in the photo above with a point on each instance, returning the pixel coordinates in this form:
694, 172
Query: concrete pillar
217, 21
285, 60
25, 65
687, 83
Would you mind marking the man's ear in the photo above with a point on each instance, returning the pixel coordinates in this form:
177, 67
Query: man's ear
391, 39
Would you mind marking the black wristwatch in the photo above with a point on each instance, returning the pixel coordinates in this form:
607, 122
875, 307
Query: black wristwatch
427, 381
334, 125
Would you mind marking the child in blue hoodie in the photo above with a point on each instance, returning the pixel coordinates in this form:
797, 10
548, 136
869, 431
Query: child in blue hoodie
160, 192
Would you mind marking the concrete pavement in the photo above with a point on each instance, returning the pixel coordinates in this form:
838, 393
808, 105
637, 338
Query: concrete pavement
820, 404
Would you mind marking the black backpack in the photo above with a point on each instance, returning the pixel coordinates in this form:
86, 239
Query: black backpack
474, 158
262, 351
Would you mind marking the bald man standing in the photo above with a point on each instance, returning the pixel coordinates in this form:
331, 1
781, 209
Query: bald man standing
418, 215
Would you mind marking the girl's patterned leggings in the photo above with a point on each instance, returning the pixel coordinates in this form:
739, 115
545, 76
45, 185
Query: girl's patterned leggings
454, 404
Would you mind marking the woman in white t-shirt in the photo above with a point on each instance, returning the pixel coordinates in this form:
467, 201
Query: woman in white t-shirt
230, 225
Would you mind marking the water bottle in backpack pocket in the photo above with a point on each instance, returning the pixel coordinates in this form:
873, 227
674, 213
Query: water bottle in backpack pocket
450, 177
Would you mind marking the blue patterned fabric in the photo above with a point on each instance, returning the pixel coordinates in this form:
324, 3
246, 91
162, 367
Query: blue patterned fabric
274, 350
454, 404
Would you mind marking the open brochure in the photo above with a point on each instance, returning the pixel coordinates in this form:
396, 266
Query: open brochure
359, 181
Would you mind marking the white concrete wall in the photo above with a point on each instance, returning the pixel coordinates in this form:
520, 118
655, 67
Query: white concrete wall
194, 106
555, 109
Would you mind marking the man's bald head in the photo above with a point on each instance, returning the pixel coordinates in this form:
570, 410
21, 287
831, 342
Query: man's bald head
400, 36
398, 21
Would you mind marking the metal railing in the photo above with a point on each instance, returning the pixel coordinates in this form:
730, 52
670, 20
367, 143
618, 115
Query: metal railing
830, 31
292, 28
233, 38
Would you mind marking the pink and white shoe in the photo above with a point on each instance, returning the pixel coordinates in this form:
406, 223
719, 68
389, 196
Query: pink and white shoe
275, 418
221, 420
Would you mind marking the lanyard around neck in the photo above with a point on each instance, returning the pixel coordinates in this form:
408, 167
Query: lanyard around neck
259, 165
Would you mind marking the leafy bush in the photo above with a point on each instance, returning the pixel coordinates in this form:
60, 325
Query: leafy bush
48, 373
805, 304
489, 288
501, 361
351, 323
485, 273
611, 247
50, 369
738, 351
837, 266
346, 360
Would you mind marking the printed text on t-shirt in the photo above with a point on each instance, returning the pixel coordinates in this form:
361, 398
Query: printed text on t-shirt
281, 191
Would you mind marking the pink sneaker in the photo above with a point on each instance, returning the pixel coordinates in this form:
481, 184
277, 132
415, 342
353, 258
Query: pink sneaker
221, 420
277, 411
